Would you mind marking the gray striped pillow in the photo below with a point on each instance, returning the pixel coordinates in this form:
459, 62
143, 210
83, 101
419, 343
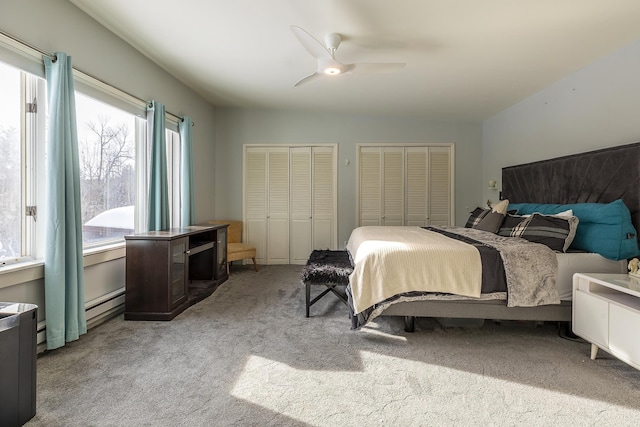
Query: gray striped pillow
553, 231
476, 216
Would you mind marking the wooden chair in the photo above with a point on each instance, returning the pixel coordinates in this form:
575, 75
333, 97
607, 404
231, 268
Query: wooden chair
236, 250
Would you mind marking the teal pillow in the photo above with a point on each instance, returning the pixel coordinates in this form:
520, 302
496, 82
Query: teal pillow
604, 228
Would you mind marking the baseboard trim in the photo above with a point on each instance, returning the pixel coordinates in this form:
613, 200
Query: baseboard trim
97, 311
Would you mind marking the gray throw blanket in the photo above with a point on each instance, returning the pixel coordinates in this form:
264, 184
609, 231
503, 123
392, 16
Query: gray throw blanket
530, 267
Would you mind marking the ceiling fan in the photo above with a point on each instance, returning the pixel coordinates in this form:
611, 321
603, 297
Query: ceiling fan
328, 65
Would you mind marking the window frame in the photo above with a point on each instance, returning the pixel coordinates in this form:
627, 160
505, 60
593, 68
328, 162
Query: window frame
31, 134
28, 61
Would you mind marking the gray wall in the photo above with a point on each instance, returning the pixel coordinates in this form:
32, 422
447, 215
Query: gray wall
236, 127
596, 107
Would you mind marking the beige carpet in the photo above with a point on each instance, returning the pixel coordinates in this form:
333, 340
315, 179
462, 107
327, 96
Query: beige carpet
247, 356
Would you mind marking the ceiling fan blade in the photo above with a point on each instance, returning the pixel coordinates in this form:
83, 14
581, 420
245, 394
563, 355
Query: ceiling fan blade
310, 78
325, 55
315, 47
371, 68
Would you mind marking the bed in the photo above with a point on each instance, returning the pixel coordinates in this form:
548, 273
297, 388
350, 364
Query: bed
599, 188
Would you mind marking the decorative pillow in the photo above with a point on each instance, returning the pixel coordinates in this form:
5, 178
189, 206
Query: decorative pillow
512, 225
476, 215
556, 232
501, 207
490, 222
493, 220
605, 228
566, 213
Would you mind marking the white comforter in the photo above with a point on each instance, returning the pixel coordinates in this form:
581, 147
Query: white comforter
393, 260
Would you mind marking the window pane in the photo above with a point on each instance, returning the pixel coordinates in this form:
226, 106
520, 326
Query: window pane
106, 139
10, 164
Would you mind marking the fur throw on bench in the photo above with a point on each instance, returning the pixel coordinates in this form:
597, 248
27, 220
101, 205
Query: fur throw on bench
326, 266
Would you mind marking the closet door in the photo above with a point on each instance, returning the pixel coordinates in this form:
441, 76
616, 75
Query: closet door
417, 205
428, 184
381, 184
255, 201
392, 186
313, 204
440, 186
301, 218
278, 205
324, 198
370, 185
405, 185
290, 201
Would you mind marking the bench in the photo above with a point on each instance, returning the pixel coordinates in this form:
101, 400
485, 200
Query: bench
326, 268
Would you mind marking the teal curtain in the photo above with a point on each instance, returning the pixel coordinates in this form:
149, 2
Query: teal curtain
158, 206
187, 211
63, 262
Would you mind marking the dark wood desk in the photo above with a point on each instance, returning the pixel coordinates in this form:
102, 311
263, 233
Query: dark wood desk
170, 270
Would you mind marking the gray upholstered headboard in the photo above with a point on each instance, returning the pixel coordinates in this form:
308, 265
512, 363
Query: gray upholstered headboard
600, 176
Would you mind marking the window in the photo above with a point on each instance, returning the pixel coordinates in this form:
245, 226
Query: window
20, 126
113, 171
10, 167
106, 146
112, 160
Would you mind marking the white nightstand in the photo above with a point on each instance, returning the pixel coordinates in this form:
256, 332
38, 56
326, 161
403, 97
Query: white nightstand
606, 312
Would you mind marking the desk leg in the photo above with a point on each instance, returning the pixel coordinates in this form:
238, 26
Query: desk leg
594, 351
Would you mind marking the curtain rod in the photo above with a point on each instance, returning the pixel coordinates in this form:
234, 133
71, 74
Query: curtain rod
54, 58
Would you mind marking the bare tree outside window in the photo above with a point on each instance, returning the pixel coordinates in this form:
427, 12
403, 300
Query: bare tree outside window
106, 157
107, 170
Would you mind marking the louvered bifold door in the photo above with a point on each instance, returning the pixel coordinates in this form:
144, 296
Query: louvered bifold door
300, 224
324, 198
440, 190
255, 201
416, 213
278, 206
393, 186
370, 185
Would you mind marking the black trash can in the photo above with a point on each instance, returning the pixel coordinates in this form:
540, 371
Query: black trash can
18, 326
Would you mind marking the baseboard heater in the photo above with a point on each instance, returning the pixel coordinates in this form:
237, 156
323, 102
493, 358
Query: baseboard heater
97, 311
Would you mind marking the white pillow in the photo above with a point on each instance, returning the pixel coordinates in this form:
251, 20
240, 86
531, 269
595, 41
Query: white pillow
564, 214
501, 207
567, 213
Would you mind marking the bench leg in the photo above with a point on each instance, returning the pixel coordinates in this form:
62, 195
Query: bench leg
254, 263
308, 296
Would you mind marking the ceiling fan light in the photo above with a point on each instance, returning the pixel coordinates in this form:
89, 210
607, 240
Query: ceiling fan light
332, 71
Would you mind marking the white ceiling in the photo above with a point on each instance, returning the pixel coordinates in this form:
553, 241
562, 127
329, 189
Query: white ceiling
466, 59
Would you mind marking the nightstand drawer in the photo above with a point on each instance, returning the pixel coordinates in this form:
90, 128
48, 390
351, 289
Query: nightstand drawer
591, 318
623, 334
